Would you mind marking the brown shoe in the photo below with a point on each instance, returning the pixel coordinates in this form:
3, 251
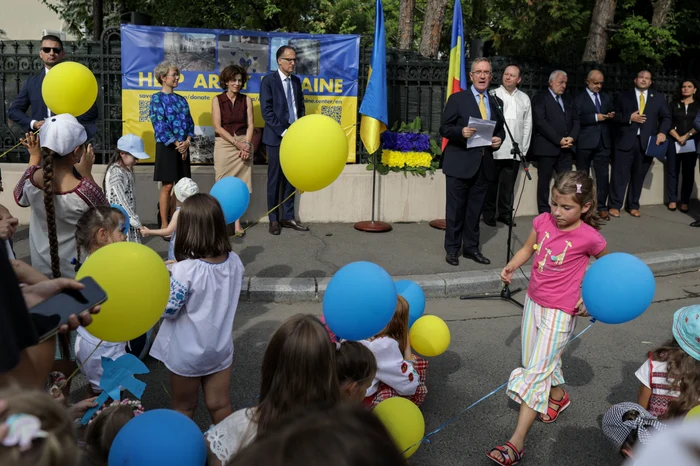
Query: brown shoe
614, 213
634, 213
604, 215
275, 228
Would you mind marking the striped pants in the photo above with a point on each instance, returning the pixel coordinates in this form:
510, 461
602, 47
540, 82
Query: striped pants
545, 331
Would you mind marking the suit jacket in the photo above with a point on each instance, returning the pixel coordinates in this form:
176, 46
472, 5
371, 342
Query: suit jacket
592, 130
30, 96
458, 161
552, 124
656, 111
696, 125
273, 105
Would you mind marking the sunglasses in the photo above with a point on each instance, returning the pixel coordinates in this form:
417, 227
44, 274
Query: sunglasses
55, 50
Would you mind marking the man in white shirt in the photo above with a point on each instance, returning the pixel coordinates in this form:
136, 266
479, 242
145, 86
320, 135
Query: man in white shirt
518, 113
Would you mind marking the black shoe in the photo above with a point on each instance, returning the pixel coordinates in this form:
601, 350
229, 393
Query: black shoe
477, 257
452, 259
506, 221
490, 222
695, 224
294, 225
275, 228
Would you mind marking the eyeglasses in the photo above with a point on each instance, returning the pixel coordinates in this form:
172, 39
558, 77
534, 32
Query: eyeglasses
55, 50
172, 76
289, 59
481, 73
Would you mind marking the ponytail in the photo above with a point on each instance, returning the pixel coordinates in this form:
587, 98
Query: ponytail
47, 168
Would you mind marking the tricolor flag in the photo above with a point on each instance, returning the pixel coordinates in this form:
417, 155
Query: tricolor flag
457, 74
374, 109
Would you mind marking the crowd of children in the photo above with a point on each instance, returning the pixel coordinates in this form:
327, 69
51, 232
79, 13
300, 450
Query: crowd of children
313, 385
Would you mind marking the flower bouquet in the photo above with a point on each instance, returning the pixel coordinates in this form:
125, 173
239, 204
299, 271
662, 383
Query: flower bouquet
406, 149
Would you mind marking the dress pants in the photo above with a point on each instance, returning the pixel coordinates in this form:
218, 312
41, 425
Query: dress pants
600, 158
546, 166
276, 182
502, 189
465, 200
630, 167
683, 165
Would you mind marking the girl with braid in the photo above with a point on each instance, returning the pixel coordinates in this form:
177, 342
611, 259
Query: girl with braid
58, 198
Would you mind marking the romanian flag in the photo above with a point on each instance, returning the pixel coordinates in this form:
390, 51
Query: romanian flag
374, 108
457, 74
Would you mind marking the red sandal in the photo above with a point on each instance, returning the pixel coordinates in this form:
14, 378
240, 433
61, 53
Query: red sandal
505, 451
554, 413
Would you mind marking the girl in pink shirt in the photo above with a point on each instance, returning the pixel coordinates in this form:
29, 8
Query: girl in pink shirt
562, 242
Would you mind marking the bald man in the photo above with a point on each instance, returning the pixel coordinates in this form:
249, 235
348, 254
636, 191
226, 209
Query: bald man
595, 113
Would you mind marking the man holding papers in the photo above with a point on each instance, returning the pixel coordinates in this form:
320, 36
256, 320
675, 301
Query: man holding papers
642, 116
468, 164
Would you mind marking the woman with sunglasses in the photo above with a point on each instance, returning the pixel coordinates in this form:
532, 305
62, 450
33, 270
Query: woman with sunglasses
174, 130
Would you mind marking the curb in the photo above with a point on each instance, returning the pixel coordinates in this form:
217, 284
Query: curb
443, 285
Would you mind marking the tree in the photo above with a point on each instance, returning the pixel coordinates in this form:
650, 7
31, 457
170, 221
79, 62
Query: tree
432, 28
406, 24
662, 8
601, 19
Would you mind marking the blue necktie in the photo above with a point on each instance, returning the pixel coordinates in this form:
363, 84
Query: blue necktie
290, 101
597, 102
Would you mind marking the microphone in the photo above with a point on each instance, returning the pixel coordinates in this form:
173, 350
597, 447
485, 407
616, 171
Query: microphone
492, 93
516, 150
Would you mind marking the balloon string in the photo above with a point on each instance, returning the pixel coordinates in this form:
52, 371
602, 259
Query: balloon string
427, 436
80, 366
14, 147
267, 213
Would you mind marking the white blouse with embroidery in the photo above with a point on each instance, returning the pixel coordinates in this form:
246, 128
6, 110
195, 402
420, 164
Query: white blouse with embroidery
195, 337
232, 434
119, 189
392, 369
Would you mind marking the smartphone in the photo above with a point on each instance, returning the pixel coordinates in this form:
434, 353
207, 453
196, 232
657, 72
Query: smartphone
50, 314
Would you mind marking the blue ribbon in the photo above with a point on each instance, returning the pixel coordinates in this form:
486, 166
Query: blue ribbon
427, 436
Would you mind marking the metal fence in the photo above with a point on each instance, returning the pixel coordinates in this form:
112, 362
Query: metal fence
416, 86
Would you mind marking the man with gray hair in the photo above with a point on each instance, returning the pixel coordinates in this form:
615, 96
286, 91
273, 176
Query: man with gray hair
556, 129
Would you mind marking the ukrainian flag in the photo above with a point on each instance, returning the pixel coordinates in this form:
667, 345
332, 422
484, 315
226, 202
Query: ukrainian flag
457, 74
374, 109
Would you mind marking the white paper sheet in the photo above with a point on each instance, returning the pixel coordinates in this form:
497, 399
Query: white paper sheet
484, 132
688, 147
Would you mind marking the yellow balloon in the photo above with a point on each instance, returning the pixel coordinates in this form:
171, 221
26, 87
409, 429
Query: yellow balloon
69, 88
137, 284
313, 152
404, 421
430, 336
693, 415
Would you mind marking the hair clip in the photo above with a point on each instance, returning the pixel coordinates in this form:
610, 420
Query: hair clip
578, 188
23, 428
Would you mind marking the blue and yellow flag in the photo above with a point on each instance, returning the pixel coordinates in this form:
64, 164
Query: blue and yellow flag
374, 108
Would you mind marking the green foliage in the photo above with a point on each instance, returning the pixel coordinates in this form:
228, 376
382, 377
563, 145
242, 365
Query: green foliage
640, 43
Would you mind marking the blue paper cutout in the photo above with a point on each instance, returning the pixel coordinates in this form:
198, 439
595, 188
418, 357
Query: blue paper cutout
118, 373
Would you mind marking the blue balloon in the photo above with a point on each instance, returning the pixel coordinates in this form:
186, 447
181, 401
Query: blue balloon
233, 195
360, 300
617, 288
414, 295
160, 436
126, 217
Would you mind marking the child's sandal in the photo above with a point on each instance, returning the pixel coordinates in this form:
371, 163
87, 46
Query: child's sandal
552, 413
505, 450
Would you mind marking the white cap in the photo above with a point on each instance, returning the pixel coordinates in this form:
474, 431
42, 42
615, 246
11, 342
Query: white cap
133, 145
185, 188
62, 134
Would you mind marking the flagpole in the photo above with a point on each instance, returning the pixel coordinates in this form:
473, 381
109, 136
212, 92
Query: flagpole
372, 226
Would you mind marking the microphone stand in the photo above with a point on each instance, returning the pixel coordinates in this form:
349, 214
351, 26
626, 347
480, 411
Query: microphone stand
506, 293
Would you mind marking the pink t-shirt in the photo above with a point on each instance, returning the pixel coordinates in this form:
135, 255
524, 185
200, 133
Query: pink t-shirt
560, 261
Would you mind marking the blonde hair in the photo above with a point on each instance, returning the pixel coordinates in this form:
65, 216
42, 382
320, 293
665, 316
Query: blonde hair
162, 70
59, 448
397, 328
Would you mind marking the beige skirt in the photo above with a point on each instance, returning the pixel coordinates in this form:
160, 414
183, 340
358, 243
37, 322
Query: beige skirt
227, 162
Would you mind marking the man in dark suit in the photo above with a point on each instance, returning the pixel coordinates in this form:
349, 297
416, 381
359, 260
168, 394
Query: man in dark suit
641, 113
556, 129
281, 103
595, 113
468, 171
52, 53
